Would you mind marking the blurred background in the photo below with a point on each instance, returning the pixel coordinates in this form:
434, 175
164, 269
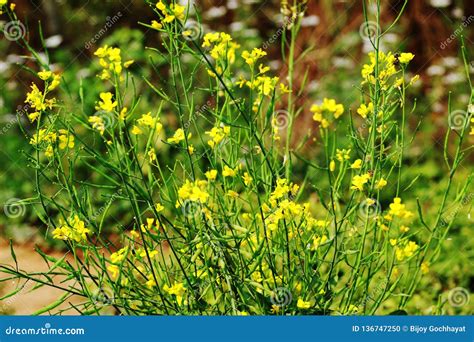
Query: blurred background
331, 49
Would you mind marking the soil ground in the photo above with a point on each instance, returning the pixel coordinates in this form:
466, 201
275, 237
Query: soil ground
26, 302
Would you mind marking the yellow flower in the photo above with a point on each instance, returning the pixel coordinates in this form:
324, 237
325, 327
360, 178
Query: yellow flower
33, 116
178, 136
398, 209
193, 191
217, 134
357, 164
159, 207
45, 75
211, 174
414, 79
222, 46
253, 56
136, 130
177, 290
331, 106
247, 179
149, 224
127, 64
343, 154
301, 304
147, 120
115, 270
284, 89
123, 114
405, 57
232, 193
318, 241
156, 25
66, 140
380, 184
175, 12
110, 60
106, 103
73, 229
49, 152
359, 181
55, 82
119, 256
161, 6
150, 283
425, 267
332, 166
404, 229
364, 110
228, 172
97, 123
35, 98
152, 155
406, 251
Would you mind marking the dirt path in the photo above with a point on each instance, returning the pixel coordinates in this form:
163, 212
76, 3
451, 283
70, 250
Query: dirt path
26, 301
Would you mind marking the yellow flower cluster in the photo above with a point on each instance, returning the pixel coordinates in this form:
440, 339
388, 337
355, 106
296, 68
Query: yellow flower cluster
65, 139
72, 230
36, 98
110, 60
193, 191
217, 134
358, 181
119, 256
321, 113
301, 304
176, 139
365, 110
406, 250
386, 66
221, 45
175, 11
106, 102
97, 123
148, 121
251, 57
398, 209
230, 172
177, 290
282, 189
